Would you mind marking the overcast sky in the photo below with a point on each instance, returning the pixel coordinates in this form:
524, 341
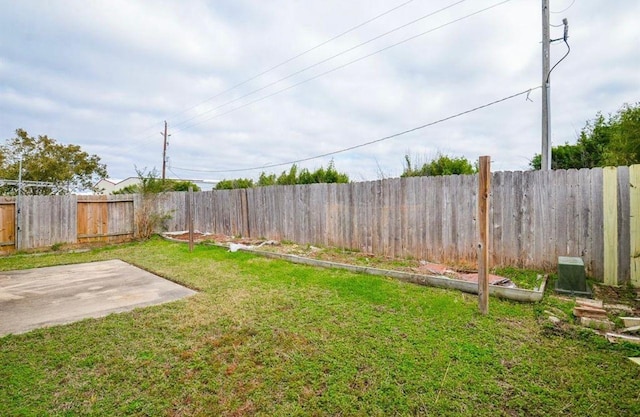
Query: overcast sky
106, 74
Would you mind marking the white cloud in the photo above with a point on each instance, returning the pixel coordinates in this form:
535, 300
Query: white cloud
105, 75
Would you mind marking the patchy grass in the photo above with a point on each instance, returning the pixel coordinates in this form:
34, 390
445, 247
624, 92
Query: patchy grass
267, 337
523, 278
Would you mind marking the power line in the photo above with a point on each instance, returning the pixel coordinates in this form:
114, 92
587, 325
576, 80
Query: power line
563, 10
177, 176
561, 59
286, 61
295, 57
350, 148
312, 65
273, 68
342, 66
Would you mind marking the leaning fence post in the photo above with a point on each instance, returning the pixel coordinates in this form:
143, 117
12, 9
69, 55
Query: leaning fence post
484, 188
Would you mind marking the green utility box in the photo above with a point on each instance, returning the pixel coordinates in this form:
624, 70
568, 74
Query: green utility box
571, 277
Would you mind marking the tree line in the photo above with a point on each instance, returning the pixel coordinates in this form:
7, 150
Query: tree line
291, 177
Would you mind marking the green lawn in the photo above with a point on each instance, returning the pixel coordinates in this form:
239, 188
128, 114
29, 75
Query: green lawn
271, 338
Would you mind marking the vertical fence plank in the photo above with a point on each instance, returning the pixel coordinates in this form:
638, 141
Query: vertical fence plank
634, 226
537, 216
447, 218
376, 216
571, 216
7, 225
610, 226
597, 215
437, 219
623, 226
424, 216
584, 220
412, 220
527, 230
495, 217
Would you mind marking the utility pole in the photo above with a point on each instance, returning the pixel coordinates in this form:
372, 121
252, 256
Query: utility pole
164, 151
546, 99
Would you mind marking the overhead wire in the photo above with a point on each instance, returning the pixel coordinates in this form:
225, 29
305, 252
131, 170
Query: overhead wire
350, 148
274, 67
342, 66
323, 61
286, 61
561, 59
565, 36
177, 176
563, 10
296, 56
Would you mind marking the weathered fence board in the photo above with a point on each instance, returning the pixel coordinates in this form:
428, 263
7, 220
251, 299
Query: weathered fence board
93, 220
47, 220
534, 218
610, 226
7, 225
623, 226
634, 226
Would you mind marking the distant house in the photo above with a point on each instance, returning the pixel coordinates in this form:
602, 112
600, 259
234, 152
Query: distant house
109, 185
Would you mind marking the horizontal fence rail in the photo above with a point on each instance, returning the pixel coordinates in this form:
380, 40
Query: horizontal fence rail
535, 216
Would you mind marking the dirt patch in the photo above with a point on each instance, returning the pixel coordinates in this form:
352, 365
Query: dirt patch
217, 238
463, 272
623, 294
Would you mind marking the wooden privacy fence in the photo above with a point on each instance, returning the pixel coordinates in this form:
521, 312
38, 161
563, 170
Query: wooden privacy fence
534, 218
50, 220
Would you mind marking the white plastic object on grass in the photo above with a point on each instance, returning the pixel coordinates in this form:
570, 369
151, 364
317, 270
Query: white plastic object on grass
234, 247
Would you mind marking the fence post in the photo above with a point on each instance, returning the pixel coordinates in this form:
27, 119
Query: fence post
484, 188
610, 226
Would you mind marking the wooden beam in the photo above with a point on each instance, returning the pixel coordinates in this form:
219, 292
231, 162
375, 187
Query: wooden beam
484, 188
610, 226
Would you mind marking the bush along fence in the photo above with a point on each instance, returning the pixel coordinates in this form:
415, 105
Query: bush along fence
535, 217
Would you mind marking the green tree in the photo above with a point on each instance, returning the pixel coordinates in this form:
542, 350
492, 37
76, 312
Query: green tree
266, 180
602, 142
181, 185
291, 177
304, 176
330, 175
233, 184
624, 144
440, 165
564, 157
68, 167
155, 184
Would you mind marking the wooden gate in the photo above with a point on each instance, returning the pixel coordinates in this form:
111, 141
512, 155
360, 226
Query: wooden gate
93, 221
7, 225
104, 220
